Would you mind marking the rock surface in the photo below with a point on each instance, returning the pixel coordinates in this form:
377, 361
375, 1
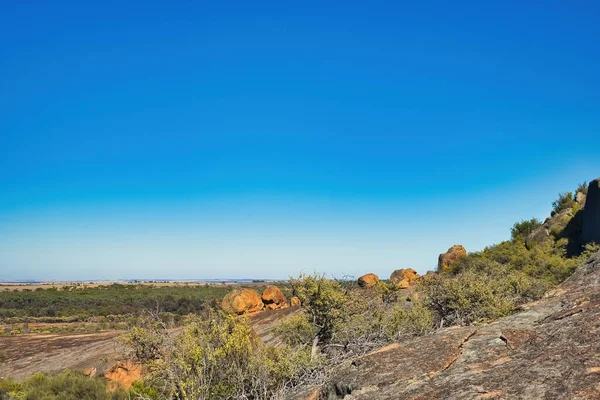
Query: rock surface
404, 278
557, 223
454, 253
368, 280
241, 301
591, 214
273, 298
580, 198
549, 350
123, 374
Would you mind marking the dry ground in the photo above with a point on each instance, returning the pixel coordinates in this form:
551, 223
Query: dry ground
24, 355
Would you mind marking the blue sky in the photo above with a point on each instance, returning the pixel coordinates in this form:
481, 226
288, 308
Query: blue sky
262, 139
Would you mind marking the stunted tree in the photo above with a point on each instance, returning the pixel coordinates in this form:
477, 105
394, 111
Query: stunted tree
522, 229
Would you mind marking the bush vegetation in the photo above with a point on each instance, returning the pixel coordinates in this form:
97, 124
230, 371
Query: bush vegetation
68, 385
217, 356
73, 304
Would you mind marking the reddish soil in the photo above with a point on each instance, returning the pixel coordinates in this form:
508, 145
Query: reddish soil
25, 355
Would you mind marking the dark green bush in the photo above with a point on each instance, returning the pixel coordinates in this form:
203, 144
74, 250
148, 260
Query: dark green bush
521, 230
68, 385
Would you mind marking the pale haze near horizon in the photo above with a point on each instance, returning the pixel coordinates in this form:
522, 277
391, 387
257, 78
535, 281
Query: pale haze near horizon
258, 238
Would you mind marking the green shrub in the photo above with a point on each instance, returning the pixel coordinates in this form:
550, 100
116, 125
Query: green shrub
68, 385
482, 290
583, 188
564, 201
324, 301
296, 330
414, 320
139, 390
521, 230
218, 356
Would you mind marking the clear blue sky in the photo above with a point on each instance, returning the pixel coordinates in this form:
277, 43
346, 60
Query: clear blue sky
192, 139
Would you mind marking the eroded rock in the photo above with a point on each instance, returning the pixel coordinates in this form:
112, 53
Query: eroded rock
404, 278
241, 301
454, 253
368, 280
123, 373
273, 298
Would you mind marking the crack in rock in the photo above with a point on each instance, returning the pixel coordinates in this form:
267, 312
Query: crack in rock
455, 359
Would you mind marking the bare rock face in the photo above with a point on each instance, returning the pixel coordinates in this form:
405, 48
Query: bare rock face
295, 301
580, 198
454, 253
404, 278
241, 301
548, 350
368, 280
273, 298
557, 223
591, 214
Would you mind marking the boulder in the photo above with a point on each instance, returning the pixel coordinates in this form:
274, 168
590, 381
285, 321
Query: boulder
273, 298
123, 374
241, 301
580, 198
295, 301
368, 280
590, 231
403, 278
454, 253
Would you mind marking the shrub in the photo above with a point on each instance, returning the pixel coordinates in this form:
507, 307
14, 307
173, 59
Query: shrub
414, 320
324, 301
521, 230
358, 320
583, 188
296, 330
564, 201
483, 290
68, 385
218, 356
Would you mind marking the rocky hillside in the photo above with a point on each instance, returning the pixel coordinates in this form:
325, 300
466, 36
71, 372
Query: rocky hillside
547, 350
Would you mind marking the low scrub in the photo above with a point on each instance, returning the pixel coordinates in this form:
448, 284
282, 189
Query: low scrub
216, 356
68, 385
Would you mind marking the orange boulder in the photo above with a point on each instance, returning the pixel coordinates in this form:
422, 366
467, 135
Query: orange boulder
242, 301
454, 253
273, 298
368, 280
403, 278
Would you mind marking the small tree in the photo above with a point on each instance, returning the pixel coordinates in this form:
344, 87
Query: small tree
564, 201
582, 188
324, 301
521, 230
